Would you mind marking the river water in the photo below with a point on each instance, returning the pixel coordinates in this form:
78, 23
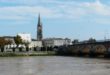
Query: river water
53, 65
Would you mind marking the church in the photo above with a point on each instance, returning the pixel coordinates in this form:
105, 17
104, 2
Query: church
39, 30
38, 41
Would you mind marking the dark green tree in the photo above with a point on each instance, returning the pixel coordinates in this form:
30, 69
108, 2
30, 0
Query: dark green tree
75, 41
18, 40
91, 40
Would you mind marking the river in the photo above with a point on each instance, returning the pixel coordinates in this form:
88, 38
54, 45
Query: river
53, 65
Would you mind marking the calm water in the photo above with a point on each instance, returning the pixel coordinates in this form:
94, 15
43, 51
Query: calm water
53, 65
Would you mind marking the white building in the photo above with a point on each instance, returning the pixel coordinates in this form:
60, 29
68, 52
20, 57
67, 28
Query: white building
26, 37
52, 42
35, 43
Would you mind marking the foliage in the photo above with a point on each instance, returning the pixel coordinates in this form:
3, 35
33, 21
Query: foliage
4, 42
18, 40
91, 40
75, 41
26, 43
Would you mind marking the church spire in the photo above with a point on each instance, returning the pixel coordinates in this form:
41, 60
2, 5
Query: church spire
39, 22
39, 29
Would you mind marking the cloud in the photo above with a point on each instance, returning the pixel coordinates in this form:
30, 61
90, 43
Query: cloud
97, 8
53, 9
22, 12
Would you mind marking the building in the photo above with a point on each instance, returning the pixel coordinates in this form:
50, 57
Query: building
39, 30
26, 37
35, 43
52, 42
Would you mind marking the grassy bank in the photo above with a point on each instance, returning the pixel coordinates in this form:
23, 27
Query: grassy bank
40, 53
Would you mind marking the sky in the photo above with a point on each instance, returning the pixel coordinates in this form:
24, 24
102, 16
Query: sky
74, 19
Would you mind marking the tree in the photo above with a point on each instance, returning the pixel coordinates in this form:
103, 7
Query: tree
18, 40
26, 44
91, 40
75, 41
4, 42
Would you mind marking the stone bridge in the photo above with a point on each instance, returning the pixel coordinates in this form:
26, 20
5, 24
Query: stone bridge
99, 49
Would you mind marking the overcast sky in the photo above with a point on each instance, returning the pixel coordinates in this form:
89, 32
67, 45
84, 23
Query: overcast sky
75, 19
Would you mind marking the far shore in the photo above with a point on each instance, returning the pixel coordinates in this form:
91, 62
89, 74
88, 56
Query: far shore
39, 53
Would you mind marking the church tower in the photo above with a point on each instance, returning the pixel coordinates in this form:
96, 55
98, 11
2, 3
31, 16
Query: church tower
39, 29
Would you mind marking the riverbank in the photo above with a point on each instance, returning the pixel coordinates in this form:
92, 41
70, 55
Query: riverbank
38, 53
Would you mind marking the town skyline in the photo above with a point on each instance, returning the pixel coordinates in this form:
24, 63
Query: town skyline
73, 19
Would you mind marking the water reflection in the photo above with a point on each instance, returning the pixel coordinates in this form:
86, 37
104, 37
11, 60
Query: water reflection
53, 65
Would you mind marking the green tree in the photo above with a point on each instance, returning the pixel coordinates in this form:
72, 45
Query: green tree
91, 40
75, 41
18, 40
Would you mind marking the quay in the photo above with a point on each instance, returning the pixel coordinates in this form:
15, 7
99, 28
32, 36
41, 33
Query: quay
39, 53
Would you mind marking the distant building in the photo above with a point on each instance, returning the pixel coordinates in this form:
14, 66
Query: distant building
52, 42
35, 43
25, 37
39, 30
